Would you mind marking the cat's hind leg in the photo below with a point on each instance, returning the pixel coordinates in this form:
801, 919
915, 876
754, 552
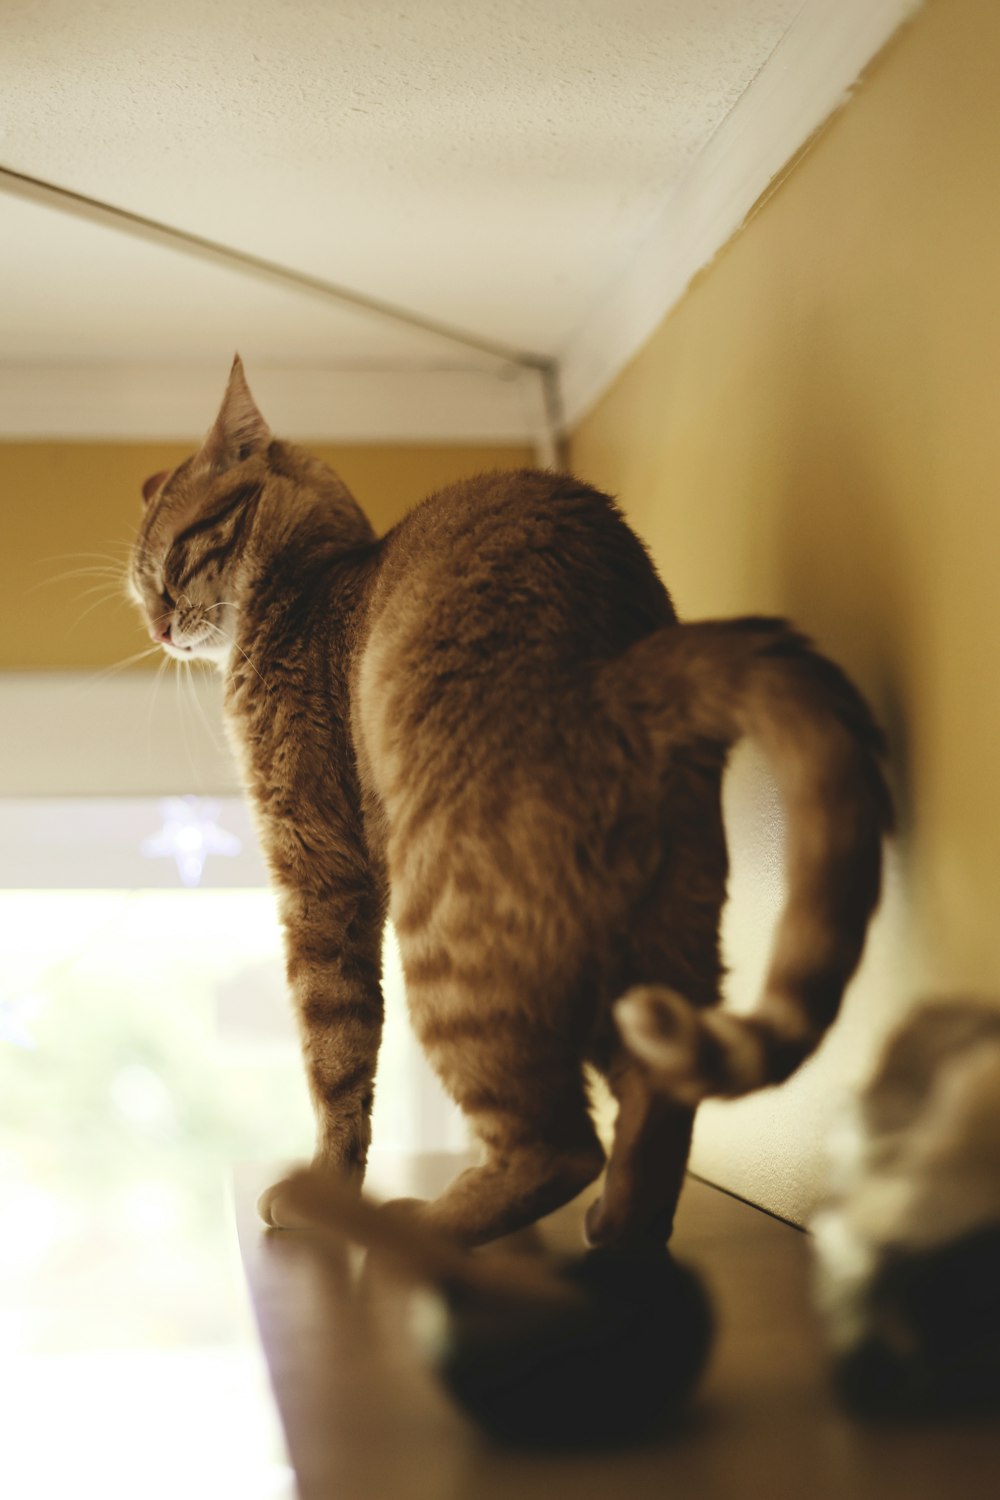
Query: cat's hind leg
527, 1107
674, 941
649, 1152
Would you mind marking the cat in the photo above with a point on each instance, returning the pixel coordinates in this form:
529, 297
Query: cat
489, 726
907, 1239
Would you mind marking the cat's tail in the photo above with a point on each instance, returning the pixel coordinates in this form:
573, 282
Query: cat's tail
716, 682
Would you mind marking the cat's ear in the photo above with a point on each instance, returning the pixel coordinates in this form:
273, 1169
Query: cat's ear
153, 485
239, 429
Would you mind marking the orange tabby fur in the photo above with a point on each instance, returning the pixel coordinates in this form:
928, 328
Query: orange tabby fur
490, 726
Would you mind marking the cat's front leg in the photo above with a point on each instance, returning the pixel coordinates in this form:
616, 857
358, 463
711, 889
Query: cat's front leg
333, 960
340, 1017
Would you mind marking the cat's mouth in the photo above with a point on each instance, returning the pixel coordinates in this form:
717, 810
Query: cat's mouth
175, 643
203, 646
181, 649
164, 634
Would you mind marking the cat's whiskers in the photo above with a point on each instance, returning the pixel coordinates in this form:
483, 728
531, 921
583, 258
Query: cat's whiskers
104, 597
108, 576
120, 666
181, 716
195, 697
218, 630
110, 562
108, 591
104, 569
104, 586
105, 557
110, 571
154, 695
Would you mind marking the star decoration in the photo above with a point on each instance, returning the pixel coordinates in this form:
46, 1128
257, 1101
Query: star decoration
189, 835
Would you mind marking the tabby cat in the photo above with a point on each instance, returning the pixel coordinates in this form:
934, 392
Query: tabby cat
489, 726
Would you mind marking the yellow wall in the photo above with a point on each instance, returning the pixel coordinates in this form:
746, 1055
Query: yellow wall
72, 506
815, 430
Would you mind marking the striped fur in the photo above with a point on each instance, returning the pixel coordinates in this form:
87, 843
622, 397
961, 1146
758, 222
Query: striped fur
489, 724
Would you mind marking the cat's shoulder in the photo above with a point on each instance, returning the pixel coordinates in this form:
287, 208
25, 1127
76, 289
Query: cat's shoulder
512, 492
513, 507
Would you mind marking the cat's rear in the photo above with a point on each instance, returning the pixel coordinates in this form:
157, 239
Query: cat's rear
548, 746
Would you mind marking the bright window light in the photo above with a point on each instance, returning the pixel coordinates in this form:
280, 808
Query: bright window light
146, 1048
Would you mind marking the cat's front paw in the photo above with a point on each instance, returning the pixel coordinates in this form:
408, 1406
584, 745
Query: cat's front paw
311, 1197
279, 1208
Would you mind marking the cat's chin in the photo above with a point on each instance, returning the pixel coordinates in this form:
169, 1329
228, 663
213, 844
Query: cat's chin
197, 651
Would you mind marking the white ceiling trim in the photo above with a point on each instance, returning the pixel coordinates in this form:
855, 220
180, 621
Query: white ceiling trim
176, 403
809, 75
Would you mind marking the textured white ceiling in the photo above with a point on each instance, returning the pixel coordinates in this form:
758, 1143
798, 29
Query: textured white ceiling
492, 163
89, 294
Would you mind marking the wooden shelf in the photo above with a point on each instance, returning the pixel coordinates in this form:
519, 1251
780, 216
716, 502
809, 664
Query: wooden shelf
365, 1419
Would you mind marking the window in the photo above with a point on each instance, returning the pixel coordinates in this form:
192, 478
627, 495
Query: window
146, 1048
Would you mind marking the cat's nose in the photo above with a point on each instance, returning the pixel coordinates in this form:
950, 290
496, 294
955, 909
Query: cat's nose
160, 631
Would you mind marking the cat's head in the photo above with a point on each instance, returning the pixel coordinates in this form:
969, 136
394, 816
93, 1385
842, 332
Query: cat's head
184, 572
220, 516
